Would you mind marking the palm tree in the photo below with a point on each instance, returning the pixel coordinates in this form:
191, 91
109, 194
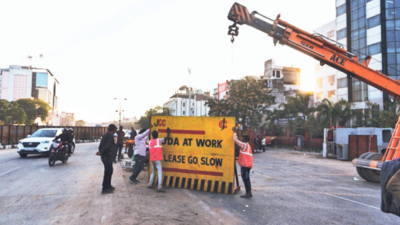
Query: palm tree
338, 112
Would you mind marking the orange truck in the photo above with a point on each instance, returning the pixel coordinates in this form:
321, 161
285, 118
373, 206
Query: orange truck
332, 53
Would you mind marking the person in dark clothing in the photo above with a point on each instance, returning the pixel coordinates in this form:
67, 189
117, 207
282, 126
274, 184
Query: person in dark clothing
120, 142
133, 133
71, 140
64, 136
107, 154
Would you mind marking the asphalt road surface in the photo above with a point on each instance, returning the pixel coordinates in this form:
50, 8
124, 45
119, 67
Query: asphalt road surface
288, 188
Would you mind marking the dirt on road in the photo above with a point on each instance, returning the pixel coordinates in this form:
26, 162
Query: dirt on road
136, 204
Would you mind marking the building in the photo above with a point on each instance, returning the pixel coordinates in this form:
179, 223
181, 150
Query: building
18, 82
368, 28
330, 83
283, 82
67, 119
179, 102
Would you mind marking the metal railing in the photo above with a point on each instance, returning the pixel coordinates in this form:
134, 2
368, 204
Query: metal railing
11, 134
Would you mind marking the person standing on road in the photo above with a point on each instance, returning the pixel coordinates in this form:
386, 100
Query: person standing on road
256, 140
263, 144
106, 151
156, 156
120, 141
245, 161
140, 154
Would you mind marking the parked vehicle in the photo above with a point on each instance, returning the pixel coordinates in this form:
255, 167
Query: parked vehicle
40, 142
59, 152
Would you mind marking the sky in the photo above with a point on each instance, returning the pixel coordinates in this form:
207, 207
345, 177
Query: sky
141, 50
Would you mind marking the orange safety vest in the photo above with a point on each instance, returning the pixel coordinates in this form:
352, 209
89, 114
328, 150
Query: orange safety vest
155, 149
246, 157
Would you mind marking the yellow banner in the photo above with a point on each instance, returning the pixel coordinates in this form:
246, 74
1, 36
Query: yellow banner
199, 154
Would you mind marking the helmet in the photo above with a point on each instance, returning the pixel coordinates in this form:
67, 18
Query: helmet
64, 130
70, 129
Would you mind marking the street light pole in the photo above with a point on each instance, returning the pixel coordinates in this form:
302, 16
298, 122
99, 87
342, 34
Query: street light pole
120, 111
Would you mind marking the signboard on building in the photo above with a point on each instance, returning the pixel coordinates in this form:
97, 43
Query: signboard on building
199, 154
222, 90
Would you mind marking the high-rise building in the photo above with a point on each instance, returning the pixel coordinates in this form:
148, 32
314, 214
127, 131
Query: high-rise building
369, 27
18, 82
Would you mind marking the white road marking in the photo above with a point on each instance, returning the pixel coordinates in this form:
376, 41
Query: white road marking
353, 201
1, 174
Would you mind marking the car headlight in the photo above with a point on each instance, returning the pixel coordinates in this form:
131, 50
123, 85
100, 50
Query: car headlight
44, 142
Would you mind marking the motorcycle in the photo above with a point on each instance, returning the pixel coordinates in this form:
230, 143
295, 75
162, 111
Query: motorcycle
58, 152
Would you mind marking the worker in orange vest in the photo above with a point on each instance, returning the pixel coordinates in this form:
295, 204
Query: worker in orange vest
156, 157
245, 161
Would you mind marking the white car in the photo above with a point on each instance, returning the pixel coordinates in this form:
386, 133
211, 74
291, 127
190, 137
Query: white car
39, 142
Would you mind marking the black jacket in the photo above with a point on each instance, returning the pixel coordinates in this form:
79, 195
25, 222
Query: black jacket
63, 137
107, 145
71, 137
389, 203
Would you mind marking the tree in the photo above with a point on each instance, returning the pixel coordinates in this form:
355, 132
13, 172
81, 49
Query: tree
156, 111
248, 99
218, 108
335, 113
34, 108
11, 113
80, 123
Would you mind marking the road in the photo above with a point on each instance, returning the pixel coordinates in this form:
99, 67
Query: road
288, 187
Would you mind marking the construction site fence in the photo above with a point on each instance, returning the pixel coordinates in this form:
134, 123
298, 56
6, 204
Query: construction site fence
308, 143
11, 134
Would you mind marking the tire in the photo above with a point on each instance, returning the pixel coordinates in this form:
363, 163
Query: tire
360, 173
372, 175
364, 155
52, 159
65, 159
23, 155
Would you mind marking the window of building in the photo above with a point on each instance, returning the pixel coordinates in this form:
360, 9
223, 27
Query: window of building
341, 33
331, 80
320, 95
340, 10
319, 82
374, 49
393, 37
331, 94
183, 112
41, 80
278, 74
342, 82
374, 21
360, 91
183, 104
331, 34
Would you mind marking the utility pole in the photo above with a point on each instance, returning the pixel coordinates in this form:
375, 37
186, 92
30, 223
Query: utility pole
190, 110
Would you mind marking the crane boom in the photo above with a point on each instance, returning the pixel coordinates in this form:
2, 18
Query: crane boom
316, 46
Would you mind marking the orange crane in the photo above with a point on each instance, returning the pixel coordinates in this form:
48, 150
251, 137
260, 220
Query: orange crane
331, 53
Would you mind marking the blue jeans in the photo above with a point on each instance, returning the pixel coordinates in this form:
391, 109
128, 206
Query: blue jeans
156, 165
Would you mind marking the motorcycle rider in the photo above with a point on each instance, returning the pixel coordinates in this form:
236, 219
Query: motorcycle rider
65, 137
71, 140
